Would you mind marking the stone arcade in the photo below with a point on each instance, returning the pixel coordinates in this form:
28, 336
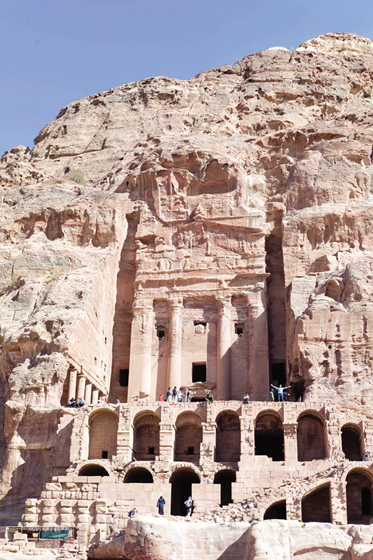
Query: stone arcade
213, 235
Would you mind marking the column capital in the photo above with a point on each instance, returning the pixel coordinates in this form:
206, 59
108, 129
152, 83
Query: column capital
176, 301
224, 302
140, 304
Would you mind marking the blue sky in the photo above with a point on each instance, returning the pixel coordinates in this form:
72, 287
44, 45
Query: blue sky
56, 52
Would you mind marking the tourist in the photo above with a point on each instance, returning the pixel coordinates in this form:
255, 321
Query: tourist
179, 396
366, 457
168, 395
111, 524
189, 505
132, 513
71, 403
209, 396
118, 401
271, 395
174, 394
160, 398
80, 403
186, 395
246, 398
280, 392
160, 505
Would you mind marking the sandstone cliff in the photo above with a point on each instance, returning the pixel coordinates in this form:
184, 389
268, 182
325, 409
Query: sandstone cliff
289, 132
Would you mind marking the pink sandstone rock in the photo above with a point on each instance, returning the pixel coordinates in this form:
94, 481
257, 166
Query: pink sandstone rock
212, 234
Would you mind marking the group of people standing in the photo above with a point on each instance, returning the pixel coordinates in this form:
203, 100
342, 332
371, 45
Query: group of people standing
176, 395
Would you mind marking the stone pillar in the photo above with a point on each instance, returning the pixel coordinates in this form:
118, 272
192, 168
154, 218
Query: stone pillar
66, 513
207, 450
101, 518
338, 502
124, 436
81, 386
141, 349
72, 384
223, 361
83, 521
95, 393
88, 393
175, 341
293, 507
258, 344
48, 513
166, 434
247, 436
31, 518
290, 442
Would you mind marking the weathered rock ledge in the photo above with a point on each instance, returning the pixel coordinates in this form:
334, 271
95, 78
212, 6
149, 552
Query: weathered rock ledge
156, 538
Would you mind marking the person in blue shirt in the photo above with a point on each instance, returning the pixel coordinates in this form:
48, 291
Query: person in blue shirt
160, 505
280, 391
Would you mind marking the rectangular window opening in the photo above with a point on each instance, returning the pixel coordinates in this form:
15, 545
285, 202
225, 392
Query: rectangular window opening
104, 455
190, 451
238, 329
123, 377
199, 373
160, 333
151, 450
203, 323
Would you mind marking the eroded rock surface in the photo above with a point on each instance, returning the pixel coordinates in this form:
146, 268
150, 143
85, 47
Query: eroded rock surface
161, 539
282, 140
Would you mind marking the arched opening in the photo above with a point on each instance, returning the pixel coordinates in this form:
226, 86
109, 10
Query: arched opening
103, 427
146, 437
311, 438
269, 436
93, 470
351, 442
359, 497
228, 438
276, 511
225, 479
188, 437
138, 475
316, 505
181, 488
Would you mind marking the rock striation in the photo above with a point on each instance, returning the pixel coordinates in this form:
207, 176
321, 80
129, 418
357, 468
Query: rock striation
213, 234
159, 539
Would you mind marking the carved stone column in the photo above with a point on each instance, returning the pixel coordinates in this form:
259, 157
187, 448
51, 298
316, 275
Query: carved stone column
81, 386
72, 384
95, 393
258, 343
141, 349
223, 362
290, 442
88, 393
175, 341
